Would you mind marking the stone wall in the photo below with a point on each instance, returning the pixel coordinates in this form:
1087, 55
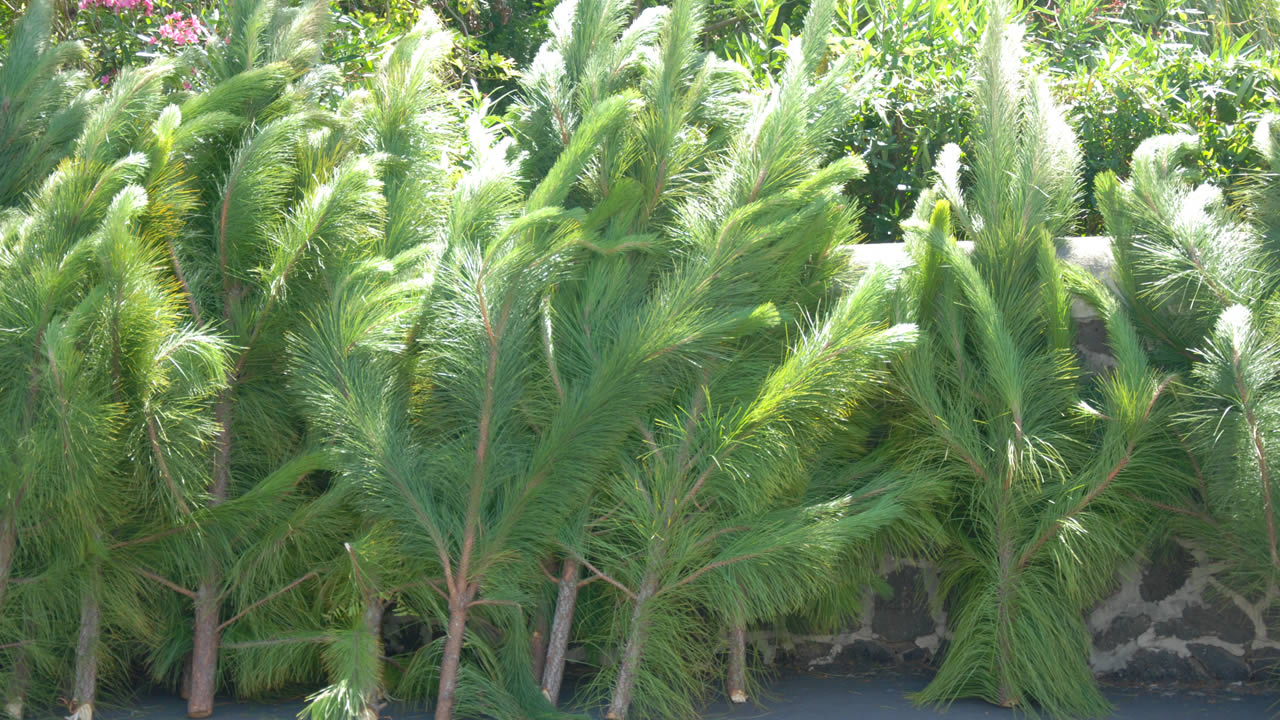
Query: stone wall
1169, 620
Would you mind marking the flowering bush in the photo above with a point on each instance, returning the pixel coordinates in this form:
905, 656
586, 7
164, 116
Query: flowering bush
118, 6
180, 30
126, 32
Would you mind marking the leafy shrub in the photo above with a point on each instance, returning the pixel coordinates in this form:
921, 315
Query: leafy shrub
1134, 91
124, 33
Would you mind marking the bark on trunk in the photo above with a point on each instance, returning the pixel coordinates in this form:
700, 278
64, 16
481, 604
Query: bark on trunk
373, 609
184, 682
558, 644
626, 684
447, 695
86, 677
204, 650
738, 663
16, 698
8, 548
1004, 650
538, 644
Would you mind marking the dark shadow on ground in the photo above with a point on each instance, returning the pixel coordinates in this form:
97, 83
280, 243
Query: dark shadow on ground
828, 696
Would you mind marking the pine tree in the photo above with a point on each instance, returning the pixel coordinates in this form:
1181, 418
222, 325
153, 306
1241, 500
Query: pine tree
46, 98
440, 436
1202, 277
257, 194
410, 118
1043, 462
755, 240
637, 180
88, 310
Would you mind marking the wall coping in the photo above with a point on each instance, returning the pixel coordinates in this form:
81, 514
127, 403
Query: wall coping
1092, 253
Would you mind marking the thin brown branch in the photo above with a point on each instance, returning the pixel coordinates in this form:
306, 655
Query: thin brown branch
625, 590
266, 600
435, 585
719, 25
713, 566
182, 280
1264, 469
1101, 488
356, 571
499, 603
319, 638
1170, 508
554, 580
143, 540
166, 582
164, 466
601, 520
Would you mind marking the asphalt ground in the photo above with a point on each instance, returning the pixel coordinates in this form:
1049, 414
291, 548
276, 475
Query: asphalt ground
827, 696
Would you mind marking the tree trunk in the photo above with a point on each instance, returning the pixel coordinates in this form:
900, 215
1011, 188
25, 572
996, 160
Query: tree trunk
204, 650
86, 677
738, 663
16, 697
1004, 650
374, 607
538, 644
8, 548
184, 682
449, 662
558, 644
639, 633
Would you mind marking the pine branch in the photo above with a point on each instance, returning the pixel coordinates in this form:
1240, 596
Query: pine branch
598, 573
266, 599
699, 573
1255, 435
1101, 488
165, 582
164, 466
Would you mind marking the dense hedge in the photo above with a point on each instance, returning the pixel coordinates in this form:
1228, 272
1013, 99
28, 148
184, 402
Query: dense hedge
296, 335
1126, 70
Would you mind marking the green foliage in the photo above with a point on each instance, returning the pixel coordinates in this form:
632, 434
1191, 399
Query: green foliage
1202, 277
1043, 462
104, 398
47, 100
297, 333
1131, 92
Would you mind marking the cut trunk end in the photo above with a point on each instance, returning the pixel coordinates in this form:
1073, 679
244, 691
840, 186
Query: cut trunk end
558, 644
86, 680
204, 652
738, 664
16, 699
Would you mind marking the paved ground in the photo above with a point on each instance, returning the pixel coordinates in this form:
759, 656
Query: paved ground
831, 697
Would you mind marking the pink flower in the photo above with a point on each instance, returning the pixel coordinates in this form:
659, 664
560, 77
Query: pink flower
186, 85
106, 79
181, 30
118, 6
